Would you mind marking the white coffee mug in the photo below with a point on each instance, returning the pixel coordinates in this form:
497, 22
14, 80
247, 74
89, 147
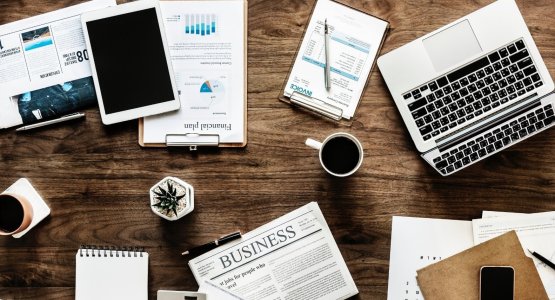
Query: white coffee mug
16, 213
339, 156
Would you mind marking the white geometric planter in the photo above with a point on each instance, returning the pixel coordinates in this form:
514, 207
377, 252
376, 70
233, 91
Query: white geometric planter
186, 204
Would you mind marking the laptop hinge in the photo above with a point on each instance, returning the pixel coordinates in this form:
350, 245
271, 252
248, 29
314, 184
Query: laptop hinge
491, 121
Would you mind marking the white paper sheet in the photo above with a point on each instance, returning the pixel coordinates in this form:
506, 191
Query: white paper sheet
213, 292
207, 47
355, 38
417, 243
535, 231
495, 214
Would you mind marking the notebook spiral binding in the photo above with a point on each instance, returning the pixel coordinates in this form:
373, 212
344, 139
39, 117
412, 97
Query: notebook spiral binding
110, 251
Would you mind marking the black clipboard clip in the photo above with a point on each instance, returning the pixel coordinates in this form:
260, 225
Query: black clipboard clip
316, 105
192, 140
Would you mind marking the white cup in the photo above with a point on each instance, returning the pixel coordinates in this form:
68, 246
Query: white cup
320, 146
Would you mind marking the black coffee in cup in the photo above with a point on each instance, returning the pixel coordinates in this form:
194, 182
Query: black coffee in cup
11, 213
340, 155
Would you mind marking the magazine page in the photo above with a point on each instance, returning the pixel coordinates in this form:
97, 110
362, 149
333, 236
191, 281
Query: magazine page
292, 257
44, 66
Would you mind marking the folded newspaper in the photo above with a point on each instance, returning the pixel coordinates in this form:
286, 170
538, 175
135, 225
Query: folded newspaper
293, 257
44, 66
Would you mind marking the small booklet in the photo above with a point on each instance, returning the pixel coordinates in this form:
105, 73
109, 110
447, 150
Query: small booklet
355, 39
292, 257
207, 42
44, 66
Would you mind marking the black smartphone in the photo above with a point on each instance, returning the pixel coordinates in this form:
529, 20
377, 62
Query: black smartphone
497, 283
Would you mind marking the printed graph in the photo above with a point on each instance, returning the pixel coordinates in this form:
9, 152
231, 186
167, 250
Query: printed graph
212, 91
201, 24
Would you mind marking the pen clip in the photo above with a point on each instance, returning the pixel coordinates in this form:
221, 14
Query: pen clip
226, 238
73, 114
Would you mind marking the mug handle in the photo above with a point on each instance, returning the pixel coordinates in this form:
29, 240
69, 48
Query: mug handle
313, 144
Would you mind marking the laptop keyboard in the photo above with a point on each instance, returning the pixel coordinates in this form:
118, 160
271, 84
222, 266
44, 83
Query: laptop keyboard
487, 83
495, 139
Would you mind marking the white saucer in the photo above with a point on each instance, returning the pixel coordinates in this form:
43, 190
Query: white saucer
40, 208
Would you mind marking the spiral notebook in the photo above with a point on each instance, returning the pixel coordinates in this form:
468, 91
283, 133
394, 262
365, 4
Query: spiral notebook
111, 273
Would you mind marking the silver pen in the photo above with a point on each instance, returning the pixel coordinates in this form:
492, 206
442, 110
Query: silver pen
49, 122
327, 53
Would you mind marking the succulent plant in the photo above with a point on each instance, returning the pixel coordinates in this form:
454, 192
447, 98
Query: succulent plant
168, 199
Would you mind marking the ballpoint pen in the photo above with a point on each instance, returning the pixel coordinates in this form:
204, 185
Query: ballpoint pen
213, 245
542, 259
327, 54
49, 122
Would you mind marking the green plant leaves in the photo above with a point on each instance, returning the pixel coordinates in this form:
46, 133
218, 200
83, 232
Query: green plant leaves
168, 199
159, 194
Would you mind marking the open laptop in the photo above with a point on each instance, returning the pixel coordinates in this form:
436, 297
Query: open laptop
471, 88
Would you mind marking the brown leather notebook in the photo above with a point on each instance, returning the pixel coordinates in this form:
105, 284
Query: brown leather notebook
458, 277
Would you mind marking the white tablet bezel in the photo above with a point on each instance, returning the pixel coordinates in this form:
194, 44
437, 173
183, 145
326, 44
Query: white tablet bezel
139, 112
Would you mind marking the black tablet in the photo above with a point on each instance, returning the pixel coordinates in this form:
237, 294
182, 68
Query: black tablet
130, 61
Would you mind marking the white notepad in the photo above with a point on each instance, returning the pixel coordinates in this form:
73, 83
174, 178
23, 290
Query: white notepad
109, 273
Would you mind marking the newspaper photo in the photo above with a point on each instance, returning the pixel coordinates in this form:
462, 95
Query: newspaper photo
44, 66
292, 257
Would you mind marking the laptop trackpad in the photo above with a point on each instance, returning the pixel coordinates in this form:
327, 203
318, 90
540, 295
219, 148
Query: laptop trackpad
452, 45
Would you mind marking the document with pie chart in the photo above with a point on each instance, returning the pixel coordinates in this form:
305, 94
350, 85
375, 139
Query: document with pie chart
212, 91
207, 44
205, 95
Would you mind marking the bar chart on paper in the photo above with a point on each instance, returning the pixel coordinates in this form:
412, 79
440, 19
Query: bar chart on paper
201, 24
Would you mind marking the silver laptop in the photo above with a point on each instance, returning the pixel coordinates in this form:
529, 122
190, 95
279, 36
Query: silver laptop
471, 88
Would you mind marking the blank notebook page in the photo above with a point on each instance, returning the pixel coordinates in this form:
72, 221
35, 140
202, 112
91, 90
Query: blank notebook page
111, 275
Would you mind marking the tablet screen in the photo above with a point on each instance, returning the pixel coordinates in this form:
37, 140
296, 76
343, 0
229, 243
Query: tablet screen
130, 62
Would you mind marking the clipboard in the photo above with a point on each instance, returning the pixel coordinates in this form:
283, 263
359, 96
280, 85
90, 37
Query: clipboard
315, 105
194, 140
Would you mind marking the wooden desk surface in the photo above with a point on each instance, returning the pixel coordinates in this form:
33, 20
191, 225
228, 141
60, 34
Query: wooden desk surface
96, 178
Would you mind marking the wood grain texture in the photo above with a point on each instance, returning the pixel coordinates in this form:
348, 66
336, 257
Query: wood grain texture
96, 178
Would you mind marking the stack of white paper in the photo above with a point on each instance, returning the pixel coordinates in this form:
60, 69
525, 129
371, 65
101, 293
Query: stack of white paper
535, 231
418, 242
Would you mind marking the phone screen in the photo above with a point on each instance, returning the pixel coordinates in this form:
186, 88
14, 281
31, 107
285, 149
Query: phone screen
497, 283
